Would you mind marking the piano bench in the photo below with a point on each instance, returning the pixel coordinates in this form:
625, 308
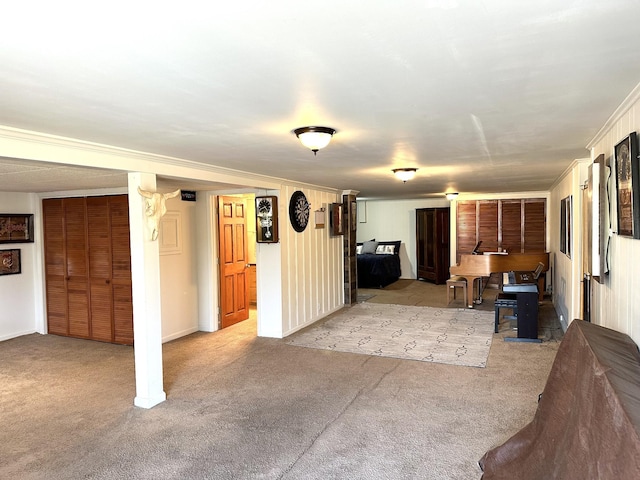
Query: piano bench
505, 300
456, 282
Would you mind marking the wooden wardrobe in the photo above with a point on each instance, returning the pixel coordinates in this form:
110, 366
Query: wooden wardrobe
432, 244
88, 268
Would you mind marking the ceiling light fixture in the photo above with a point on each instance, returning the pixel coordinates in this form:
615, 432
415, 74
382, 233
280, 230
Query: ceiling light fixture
314, 138
405, 174
451, 196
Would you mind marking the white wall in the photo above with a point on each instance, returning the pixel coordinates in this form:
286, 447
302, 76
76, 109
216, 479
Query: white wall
391, 220
566, 272
18, 301
178, 270
615, 299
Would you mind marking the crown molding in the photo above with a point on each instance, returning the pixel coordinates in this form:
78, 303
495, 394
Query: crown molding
624, 107
30, 145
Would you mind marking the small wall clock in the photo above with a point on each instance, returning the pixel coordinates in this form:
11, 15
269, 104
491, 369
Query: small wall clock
299, 211
267, 219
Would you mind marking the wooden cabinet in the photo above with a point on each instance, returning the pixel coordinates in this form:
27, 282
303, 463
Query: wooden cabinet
432, 244
88, 268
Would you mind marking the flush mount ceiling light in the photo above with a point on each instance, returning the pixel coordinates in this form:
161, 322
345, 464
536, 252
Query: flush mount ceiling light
451, 196
405, 174
314, 138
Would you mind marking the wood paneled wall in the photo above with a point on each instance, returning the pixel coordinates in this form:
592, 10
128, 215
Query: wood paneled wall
312, 272
614, 302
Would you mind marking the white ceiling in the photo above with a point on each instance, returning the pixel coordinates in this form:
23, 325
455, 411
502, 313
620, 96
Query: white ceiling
481, 96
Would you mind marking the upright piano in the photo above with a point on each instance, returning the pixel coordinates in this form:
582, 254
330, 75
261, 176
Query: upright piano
474, 267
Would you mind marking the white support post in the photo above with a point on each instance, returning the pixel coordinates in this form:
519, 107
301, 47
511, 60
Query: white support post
145, 280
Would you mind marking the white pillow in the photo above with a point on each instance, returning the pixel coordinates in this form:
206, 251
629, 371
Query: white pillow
358, 249
386, 250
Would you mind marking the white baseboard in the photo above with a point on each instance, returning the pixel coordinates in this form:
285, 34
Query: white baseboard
9, 336
177, 335
310, 322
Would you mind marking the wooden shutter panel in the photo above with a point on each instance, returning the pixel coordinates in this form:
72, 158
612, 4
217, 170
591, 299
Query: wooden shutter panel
534, 226
512, 226
465, 228
488, 225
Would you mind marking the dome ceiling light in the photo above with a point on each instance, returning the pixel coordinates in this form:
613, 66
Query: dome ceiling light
314, 138
405, 174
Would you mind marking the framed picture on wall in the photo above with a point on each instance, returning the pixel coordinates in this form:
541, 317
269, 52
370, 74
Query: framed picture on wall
10, 262
267, 219
16, 228
628, 186
565, 226
335, 219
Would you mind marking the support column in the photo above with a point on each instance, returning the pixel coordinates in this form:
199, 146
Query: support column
145, 280
349, 209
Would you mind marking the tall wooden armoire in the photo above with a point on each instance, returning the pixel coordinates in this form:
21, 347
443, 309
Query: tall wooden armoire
88, 268
432, 244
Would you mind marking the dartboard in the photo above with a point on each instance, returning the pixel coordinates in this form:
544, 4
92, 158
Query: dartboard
299, 211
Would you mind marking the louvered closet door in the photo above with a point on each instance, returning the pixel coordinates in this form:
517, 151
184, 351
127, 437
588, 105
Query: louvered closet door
121, 270
75, 226
110, 269
98, 226
88, 268
55, 267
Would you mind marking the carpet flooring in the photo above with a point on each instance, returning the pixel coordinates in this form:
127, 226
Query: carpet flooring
455, 336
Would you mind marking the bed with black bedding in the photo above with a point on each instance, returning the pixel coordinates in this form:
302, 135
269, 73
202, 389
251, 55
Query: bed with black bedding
378, 263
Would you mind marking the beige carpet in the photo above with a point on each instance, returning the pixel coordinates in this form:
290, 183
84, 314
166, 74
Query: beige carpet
455, 336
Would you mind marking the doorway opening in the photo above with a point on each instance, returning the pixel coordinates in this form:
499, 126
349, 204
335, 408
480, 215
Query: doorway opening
238, 260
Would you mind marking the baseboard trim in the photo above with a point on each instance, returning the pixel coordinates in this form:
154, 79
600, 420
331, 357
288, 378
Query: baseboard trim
16, 334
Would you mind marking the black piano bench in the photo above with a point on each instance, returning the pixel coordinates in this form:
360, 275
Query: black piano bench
505, 300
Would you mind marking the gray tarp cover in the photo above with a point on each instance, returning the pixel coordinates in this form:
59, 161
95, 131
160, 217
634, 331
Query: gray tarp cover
588, 421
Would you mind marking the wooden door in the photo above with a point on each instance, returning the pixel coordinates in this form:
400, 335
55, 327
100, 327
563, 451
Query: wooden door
75, 239
88, 268
432, 241
110, 269
121, 270
99, 228
55, 266
233, 251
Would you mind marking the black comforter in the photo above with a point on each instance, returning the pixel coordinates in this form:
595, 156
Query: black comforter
377, 271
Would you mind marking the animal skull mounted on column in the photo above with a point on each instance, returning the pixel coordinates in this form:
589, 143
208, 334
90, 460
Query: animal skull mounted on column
155, 208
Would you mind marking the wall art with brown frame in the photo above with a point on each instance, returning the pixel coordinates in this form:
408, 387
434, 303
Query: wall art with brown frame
628, 186
10, 262
16, 228
267, 219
